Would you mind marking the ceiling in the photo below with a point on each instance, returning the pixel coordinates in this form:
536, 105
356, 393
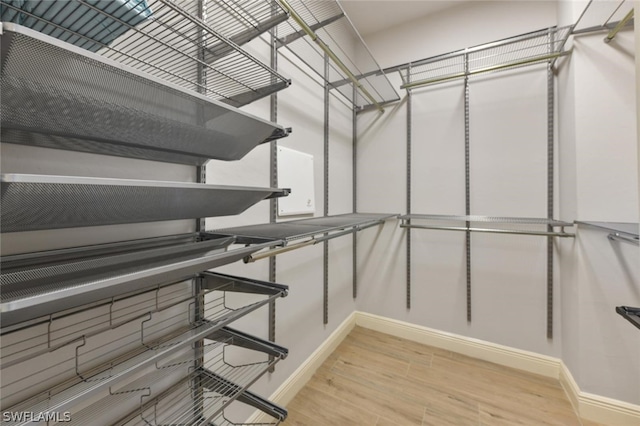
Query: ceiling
370, 16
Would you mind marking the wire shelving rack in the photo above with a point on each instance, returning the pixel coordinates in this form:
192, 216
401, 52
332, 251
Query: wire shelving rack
177, 41
333, 28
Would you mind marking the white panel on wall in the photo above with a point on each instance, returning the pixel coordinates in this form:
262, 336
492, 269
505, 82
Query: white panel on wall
295, 171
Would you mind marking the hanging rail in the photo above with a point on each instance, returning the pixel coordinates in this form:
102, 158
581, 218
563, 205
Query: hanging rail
310, 242
488, 219
617, 236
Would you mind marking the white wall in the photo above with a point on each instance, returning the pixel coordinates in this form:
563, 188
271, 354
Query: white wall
299, 316
508, 178
596, 179
598, 182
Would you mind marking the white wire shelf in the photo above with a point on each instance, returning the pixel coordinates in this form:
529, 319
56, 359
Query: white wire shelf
510, 225
527, 49
162, 339
58, 95
333, 28
168, 39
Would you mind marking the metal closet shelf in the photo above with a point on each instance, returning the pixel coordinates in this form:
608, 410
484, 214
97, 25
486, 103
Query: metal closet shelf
168, 39
407, 223
321, 28
160, 343
240, 22
57, 95
36, 202
279, 414
618, 231
313, 229
173, 405
527, 49
41, 288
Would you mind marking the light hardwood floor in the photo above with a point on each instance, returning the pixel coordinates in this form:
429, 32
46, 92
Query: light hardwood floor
377, 379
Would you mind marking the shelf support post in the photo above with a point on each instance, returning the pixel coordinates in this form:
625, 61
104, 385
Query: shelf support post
354, 189
273, 177
409, 112
467, 182
326, 189
201, 177
550, 182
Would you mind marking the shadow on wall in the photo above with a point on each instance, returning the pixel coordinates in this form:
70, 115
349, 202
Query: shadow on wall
389, 115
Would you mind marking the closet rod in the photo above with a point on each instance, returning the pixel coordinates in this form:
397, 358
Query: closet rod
421, 83
329, 52
309, 242
490, 231
619, 27
617, 236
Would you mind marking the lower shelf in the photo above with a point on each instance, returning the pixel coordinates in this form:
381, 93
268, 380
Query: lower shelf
35, 291
508, 225
210, 378
156, 347
278, 414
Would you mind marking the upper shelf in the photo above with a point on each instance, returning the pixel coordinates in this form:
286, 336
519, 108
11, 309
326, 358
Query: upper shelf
492, 221
58, 95
169, 39
350, 58
532, 48
35, 202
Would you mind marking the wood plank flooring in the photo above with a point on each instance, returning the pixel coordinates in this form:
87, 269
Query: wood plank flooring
377, 379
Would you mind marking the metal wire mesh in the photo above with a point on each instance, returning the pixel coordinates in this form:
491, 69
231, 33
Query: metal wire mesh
526, 49
220, 389
330, 24
50, 203
172, 41
94, 364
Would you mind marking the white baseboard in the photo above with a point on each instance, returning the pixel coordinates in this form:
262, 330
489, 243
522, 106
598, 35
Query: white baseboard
290, 388
588, 406
498, 354
598, 408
